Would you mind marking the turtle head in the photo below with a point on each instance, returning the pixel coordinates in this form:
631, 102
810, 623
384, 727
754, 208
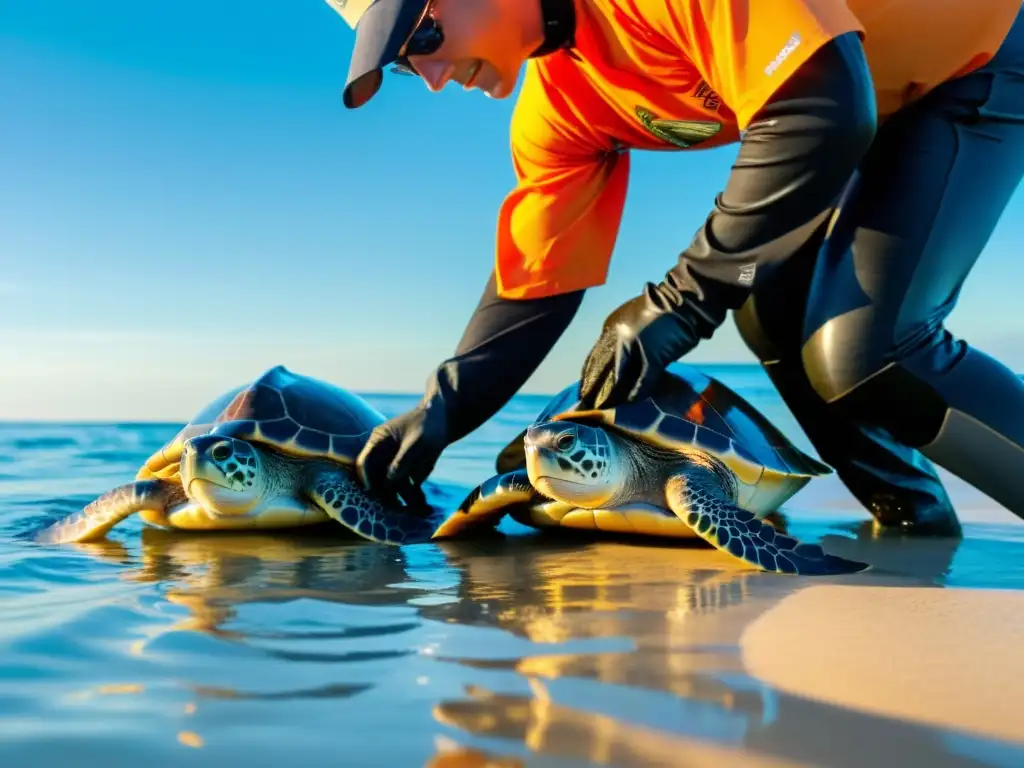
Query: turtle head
222, 474
575, 463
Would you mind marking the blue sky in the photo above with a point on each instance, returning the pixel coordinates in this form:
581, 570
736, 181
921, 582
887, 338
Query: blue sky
184, 201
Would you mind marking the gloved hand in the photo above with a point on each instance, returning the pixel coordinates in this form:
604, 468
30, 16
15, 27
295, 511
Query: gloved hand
637, 342
401, 453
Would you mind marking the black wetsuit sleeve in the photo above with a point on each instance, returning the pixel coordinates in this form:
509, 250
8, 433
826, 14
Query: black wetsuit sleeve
793, 162
505, 341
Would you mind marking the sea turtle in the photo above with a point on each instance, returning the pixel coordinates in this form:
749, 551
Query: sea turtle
277, 452
693, 459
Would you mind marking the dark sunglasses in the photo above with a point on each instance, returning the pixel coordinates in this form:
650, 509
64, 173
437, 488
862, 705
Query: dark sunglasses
426, 38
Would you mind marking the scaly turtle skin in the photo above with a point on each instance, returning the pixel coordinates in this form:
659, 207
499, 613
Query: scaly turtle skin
693, 460
278, 452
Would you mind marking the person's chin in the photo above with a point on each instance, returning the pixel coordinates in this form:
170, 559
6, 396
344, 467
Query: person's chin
497, 91
498, 88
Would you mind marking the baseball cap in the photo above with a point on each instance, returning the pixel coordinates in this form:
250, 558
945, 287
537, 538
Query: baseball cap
382, 28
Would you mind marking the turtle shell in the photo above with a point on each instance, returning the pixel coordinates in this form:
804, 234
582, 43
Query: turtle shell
295, 414
693, 410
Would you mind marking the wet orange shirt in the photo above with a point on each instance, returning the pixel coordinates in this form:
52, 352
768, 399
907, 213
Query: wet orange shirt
676, 74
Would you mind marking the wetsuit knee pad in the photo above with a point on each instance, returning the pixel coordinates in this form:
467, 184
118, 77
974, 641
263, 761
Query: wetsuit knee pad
873, 388
839, 356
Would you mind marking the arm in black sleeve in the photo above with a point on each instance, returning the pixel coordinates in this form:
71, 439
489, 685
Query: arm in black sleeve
505, 341
794, 161
503, 344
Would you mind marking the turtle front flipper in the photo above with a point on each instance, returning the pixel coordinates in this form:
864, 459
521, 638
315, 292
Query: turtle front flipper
488, 503
94, 521
697, 499
344, 500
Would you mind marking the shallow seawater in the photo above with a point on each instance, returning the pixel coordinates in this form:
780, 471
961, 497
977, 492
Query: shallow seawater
314, 648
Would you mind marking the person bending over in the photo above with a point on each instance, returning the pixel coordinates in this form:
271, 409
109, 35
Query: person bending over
878, 145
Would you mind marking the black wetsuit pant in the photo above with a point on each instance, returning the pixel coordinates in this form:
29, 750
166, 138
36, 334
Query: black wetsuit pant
851, 327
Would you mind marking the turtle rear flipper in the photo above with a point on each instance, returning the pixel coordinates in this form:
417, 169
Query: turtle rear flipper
698, 501
488, 503
95, 520
343, 499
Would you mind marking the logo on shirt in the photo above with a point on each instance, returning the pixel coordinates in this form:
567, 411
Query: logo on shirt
682, 133
781, 56
711, 100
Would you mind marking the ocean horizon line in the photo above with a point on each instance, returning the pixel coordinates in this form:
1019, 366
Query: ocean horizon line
370, 394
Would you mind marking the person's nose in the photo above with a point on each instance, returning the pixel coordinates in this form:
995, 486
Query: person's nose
435, 73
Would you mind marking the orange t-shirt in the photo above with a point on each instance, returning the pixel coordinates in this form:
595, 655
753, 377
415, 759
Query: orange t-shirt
675, 74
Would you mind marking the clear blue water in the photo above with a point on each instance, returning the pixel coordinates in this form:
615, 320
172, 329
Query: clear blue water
318, 649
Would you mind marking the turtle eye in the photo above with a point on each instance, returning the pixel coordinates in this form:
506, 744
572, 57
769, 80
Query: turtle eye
565, 441
221, 452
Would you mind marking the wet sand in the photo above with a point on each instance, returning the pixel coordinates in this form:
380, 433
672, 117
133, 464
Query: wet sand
949, 658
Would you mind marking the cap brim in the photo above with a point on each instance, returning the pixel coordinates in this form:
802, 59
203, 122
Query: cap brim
380, 33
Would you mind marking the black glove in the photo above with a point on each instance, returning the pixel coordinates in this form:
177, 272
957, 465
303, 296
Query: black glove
401, 453
637, 342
